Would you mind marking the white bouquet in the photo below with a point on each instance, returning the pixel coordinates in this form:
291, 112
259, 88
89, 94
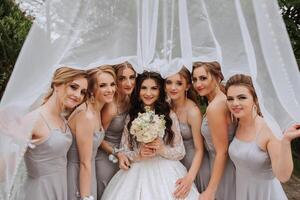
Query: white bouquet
148, 126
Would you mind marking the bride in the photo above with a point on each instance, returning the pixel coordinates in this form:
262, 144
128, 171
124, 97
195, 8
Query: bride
154, 167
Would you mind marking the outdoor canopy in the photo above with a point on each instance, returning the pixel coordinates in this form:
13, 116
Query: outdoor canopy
245, 36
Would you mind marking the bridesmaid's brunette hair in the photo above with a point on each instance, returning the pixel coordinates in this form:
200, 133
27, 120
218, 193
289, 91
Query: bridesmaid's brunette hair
120, 67
214, 69
161, 107
246, 81
191, 93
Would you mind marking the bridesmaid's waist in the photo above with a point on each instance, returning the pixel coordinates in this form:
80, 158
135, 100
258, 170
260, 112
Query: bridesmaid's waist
113, 139
188, 142
74, 158
251, 173
40, 168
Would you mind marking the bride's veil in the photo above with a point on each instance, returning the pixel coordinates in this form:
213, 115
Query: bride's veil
160, 35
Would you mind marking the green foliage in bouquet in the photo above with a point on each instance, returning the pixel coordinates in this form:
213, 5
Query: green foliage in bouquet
14, 27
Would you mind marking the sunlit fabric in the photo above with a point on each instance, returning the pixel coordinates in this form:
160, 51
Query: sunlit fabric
158, 35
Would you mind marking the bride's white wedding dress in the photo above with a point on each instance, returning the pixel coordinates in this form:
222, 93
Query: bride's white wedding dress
151, 179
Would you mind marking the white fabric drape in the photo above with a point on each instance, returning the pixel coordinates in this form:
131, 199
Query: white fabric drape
160, 35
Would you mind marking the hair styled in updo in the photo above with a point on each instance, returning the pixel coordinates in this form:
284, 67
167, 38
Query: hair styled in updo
64, 75
213, 68
191, 93
93, 77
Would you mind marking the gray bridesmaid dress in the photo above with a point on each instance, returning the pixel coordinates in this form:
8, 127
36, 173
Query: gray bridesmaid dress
226, 188
73, 167
203, 175
46, 165
254, 176
105, 169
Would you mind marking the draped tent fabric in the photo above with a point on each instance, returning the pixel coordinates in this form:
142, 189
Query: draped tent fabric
246, 36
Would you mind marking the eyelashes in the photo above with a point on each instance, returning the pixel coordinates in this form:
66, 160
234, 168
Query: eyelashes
122, 78
178, 83
239, 98
105, 85
201, 78
152, 88
75, 87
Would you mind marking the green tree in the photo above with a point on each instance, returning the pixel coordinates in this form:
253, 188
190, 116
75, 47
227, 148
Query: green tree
291, 15
14, 27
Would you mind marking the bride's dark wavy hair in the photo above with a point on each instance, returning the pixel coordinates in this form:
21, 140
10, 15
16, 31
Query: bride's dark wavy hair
161, 107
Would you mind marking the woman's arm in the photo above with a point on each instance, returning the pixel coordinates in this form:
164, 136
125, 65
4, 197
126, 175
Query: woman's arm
217, 124
177, 150
107, 114
280, 152
106, 147
184, 184
135, 153
131, 153
84, 128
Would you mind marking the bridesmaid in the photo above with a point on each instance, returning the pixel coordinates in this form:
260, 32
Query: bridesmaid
86, 127
217, 130
260, 158
46, 157
113, 120
183, 102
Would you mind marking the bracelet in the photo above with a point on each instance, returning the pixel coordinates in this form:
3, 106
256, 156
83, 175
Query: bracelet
112, 157
87, 198
114, 150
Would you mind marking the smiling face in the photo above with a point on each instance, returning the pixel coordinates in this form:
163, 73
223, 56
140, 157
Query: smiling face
149, 92
126, 81
240, 101
176, 87
203, 82
105, 88
72, 93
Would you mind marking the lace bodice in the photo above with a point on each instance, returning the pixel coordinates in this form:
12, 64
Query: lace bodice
172, 152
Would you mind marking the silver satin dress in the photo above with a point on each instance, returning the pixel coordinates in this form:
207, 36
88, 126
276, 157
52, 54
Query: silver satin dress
254, 176
73, 167
226, 188
105, 169
46, 165
203, 175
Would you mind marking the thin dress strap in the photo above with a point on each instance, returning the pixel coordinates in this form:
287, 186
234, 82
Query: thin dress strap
50, 128
44, 119
257, 134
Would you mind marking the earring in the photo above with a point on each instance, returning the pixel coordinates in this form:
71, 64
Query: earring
186, 93
92, 98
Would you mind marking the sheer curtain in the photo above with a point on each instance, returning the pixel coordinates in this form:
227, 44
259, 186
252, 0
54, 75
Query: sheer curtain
246, 36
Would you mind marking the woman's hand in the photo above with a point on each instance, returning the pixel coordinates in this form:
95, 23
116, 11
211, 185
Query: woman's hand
183, 187
207, 195
156, 144
146, 152
292, 133
124, 162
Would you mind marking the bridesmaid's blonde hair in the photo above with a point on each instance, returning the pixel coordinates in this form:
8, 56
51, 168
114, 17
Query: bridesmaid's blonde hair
62, 76
93, 77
